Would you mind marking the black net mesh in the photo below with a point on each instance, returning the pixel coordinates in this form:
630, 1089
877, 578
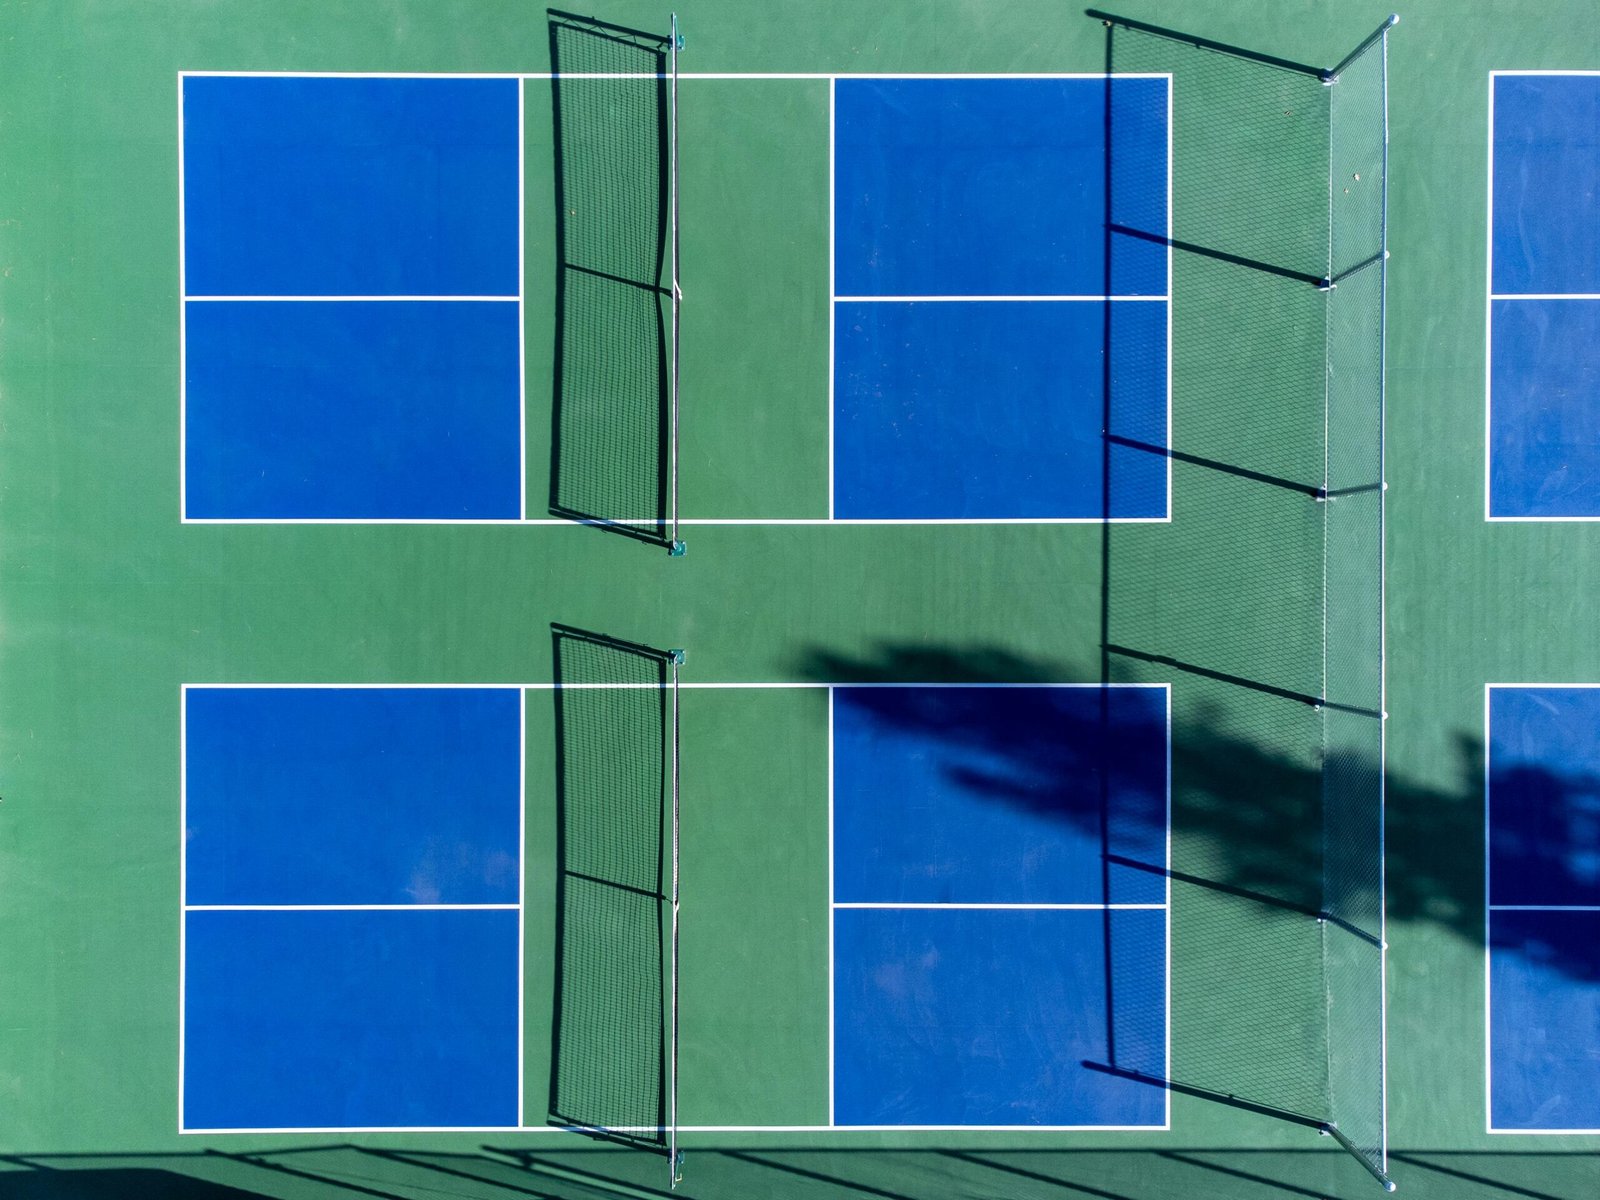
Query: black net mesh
1352, 819
611, 1041
611, 404
1264, 597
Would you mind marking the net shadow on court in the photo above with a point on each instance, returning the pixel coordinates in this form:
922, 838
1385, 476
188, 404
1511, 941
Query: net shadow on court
610, 1025
610, 455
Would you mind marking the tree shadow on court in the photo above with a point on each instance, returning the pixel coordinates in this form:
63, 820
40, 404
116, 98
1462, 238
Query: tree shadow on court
610, 387
1249, 844
770, 1172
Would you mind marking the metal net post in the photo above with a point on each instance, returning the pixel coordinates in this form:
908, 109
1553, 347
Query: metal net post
674, 44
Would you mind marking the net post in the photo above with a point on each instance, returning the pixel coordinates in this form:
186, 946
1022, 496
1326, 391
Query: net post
675, 43
675, 659
1332, 1130
1331, 75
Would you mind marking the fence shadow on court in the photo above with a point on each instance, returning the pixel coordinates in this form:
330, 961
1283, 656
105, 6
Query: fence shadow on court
1249, 839
610, 389
425, 1172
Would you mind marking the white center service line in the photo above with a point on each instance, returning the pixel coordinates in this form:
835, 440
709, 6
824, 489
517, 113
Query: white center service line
1009, 907
993, 299
351, 299
351, 907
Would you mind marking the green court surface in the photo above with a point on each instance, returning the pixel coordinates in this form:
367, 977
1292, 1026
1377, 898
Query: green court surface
110, 604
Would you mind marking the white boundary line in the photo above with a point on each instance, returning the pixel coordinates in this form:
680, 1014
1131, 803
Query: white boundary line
522, 901
1035, 299
522, 344
1156, 906
834, 300
522, 78
832, 907
185, 908
1488, 339
732, 522
1489, 908
522, 1127
699, 685
1165, 907
701, 75
183, 885
1171, 443
183, 329
567, 1130
833, 268
189, 908
1488, 324
352, 299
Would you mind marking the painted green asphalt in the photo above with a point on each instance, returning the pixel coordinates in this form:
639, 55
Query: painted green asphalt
108, 604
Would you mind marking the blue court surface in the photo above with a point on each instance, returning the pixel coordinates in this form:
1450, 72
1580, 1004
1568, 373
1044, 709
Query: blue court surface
352, 298
1000, 297
352, 908
1544, 908
1544, 308
999, 905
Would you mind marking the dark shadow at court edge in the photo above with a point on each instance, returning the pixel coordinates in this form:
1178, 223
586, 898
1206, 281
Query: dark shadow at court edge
716, 1172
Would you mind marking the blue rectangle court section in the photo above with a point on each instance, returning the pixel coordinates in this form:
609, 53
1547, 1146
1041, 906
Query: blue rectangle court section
350, 186
1546, 183
359, 410
1544, 908
1000, 187
1001, 298
352, 309
976, 410
318, 796
1000, 795
956, 1017
1544, 311
351, 1020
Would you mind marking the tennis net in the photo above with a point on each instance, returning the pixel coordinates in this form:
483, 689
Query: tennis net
614, 1045
614, 402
